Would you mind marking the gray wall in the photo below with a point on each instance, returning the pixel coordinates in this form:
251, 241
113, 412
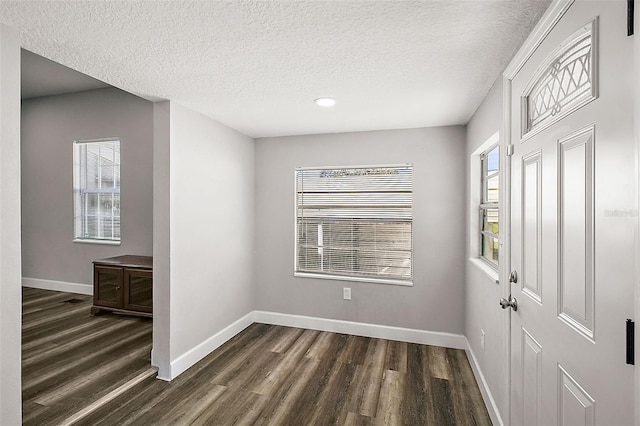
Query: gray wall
482, 294
212, 195
438, 155
50, 125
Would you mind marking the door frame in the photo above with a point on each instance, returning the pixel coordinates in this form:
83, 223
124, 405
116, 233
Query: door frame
636, 131
551, 17
10, 243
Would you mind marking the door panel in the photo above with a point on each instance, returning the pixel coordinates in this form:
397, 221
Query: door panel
575, 213
531, 378
576, 406
573, 223
532, 226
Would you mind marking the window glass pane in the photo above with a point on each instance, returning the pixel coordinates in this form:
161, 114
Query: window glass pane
490, 198
92, 203
91, 226
355, 222
309, 258
106, 227
116, 176
490, 175
490, 220
107, 155
106, 205
96, 188
116, 205
490, 248
493, 186
91, 171
493, 160
565, 84
338, 259
93, 151
362, 249
107, 177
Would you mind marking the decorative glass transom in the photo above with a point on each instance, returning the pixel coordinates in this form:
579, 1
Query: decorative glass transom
564, 84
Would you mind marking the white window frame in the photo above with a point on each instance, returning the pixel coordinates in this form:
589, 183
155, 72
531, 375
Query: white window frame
475, 199
79, 189
368, 279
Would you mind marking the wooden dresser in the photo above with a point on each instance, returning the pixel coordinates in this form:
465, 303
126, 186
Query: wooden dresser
123, 284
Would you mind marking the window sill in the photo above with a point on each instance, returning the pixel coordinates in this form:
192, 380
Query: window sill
101, 242
488, 270
358, 279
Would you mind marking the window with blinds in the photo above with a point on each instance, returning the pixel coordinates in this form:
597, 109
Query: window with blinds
355, 223
96, 190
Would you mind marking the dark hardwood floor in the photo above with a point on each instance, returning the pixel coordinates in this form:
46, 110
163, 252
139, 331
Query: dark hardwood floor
71, 359
78, 370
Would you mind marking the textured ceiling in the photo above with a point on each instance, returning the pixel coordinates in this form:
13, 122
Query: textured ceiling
257, 66
42, 77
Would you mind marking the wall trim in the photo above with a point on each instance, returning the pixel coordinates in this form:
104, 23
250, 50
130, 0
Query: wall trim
410, 335
489, 401
449, 340
549, 19
436, 338
192, 356
636, 115
77, 288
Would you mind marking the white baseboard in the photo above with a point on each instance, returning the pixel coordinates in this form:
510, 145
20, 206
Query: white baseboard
449, 340
58, 286
489, 401
192, 356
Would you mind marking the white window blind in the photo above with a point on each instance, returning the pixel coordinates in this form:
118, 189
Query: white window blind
96, 190
355, 222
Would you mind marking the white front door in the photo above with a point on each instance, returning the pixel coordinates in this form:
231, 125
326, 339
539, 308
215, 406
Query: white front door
573, 224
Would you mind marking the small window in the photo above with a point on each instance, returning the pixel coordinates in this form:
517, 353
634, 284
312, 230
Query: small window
566, 82
489, 213
355, 223
96, 191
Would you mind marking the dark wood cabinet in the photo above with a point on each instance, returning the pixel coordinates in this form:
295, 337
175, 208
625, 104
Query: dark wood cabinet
123, 284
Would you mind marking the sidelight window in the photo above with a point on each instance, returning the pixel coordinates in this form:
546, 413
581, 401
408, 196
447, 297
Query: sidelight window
489, 225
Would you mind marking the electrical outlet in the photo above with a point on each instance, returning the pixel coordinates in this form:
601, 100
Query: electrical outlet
482, 334
346, 293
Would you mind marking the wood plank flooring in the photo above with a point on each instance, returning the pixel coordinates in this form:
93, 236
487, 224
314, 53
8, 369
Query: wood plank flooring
265, 375
71, 359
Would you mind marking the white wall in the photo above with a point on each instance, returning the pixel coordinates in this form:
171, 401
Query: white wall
211, 233
50, 125
434, 302
161, 352
10, 295
482, 293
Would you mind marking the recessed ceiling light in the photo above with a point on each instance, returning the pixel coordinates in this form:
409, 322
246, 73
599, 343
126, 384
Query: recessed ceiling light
325, 102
